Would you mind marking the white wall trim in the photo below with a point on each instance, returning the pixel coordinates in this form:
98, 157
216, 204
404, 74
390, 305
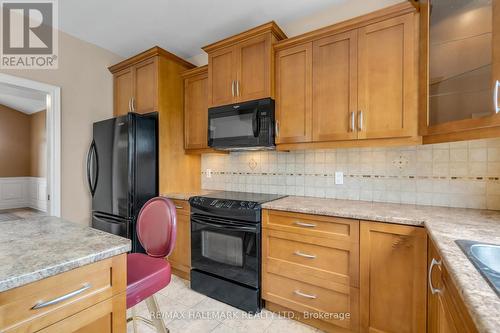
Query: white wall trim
22, 192
53, 137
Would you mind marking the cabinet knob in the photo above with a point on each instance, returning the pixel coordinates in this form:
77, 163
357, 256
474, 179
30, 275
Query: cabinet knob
360, 120
495, 96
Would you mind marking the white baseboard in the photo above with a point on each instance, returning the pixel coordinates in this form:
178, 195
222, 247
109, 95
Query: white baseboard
19, 192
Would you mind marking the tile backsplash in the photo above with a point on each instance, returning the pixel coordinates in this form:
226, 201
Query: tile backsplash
459, 174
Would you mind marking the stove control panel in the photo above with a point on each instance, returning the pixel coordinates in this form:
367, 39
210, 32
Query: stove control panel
223, 203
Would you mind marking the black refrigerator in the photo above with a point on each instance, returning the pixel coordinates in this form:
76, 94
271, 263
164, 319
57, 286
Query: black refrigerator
122, 172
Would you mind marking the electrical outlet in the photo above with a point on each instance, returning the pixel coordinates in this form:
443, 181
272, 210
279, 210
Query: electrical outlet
339, 178
209, 173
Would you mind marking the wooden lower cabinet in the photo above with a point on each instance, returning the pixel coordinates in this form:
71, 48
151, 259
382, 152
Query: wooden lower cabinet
446, 312
180, 259
101, 307
106, 317
373, 271
392, 278
310, 266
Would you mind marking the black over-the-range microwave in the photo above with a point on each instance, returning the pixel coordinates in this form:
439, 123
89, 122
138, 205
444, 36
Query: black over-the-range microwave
242, 126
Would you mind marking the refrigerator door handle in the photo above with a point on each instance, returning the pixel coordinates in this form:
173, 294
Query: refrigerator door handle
92, 151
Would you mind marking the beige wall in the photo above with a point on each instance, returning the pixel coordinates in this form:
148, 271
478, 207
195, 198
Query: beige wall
38, 145
331, 15
86, 97
14, 143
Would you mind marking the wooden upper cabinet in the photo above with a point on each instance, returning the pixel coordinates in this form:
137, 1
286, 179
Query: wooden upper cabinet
387, 90
460, 70
146, 86
293, 94
240, 67
123, 91
335, 87
359, 85
392, 278
222, 76
136, 81
196, 108
254, 72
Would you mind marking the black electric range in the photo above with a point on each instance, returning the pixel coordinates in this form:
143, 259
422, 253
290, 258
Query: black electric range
226, 247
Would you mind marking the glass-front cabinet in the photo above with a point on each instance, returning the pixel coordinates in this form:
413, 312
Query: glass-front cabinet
462, 68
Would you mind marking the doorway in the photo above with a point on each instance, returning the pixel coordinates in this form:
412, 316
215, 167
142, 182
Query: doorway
30, 156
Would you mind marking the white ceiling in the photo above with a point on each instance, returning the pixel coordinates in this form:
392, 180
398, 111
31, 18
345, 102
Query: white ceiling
22, 99
127, 27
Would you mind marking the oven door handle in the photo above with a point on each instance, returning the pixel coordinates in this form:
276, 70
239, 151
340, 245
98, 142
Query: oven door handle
223, 226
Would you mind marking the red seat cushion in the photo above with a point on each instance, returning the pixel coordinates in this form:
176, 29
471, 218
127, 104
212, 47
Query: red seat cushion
145, 276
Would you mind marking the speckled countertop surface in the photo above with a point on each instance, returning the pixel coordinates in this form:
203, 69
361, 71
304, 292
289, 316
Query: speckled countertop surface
444, 225
186, 195
35, 248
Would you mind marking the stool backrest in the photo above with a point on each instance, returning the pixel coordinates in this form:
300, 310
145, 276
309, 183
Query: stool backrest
157, 227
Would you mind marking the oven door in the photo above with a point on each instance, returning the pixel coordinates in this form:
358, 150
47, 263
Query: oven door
226, 248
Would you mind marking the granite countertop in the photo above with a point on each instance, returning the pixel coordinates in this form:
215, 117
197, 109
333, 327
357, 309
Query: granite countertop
444, 225
36, 248
186, 195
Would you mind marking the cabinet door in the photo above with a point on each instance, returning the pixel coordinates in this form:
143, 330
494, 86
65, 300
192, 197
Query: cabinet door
146, 86
294, 94
392, 278
180, 258
387, 90
196, 112
108, 316
446, 312
222, 77
123, 91
335, 87
254, 69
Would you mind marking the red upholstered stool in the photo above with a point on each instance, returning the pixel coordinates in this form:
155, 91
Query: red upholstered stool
149, 273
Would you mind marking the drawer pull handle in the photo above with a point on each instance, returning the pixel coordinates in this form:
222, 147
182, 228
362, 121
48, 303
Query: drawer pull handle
298, 292
305, 255
178, 207
431, 287
305, 225
62, 298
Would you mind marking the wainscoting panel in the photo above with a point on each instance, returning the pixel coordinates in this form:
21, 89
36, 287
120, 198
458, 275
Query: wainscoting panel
20, 192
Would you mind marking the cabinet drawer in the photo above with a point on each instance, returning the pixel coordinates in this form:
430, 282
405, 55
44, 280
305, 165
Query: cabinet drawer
340, 307
108, 316
313, 225
315, 260
88, 285
182, 206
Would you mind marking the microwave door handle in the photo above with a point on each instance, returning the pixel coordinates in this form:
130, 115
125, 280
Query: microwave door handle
256, 123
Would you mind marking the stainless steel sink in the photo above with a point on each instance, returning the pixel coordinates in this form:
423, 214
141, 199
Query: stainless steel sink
486, 258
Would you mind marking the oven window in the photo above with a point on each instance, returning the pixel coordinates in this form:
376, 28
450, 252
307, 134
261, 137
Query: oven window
231, 126
222, 248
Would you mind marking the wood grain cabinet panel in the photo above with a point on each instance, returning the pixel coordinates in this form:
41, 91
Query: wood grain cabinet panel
446, 312
123, 91
222, 76
254, 73
294, 94
240, 68
196, 109
387, 81
392, 278
158, 86
104, 279
355, 86
335, 87
146, 86
180, 258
